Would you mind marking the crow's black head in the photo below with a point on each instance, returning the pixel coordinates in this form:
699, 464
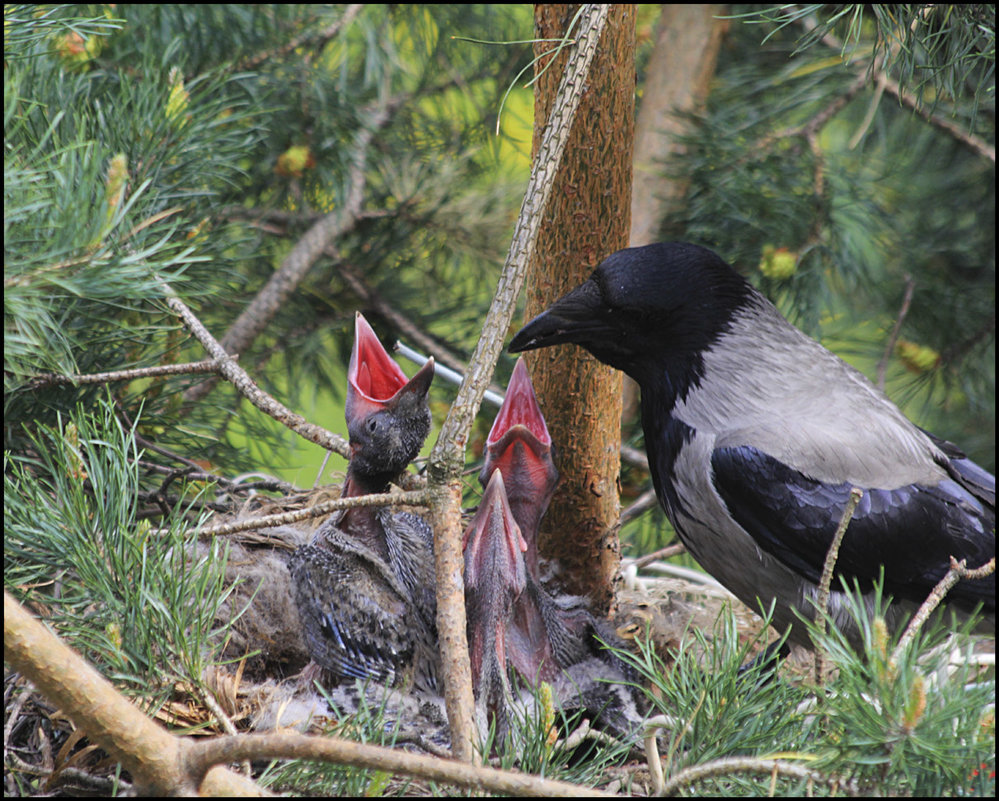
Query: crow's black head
644, 309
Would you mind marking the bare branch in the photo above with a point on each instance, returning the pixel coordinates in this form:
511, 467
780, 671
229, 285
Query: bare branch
149, 752
223, 750
246, 387
47, 379
892, 86
448, 455
647, 500
314, 40
164, 764
663, 553
414, 498
828, 568
910, 287
730, 765
958, 571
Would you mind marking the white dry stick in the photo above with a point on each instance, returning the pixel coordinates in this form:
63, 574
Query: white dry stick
730, 765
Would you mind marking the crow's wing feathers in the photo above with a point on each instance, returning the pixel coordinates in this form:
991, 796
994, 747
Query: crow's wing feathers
912, 530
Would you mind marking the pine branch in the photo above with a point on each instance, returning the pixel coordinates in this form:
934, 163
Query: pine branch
828, 568
448, 454
412, 498
312, 40
197, 473
147, 751
957, 571
663, 553
261, 310
975, 143
49, 379
959, 349
773, 767
890, 85
910, 287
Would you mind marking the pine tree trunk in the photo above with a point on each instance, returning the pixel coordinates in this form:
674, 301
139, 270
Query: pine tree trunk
588, 219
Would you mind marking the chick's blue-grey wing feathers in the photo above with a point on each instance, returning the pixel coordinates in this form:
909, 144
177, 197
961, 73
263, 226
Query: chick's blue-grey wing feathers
911, 531
354, 615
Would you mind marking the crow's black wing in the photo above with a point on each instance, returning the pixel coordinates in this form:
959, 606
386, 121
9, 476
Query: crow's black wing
911, 530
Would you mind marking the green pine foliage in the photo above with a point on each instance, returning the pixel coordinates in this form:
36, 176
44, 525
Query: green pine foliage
193, 145
189, 144
920, 722
140, 603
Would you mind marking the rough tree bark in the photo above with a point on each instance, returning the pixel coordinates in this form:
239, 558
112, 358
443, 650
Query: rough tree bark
587, 219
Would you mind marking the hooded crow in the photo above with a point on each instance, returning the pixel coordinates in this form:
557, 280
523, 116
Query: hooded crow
756, 435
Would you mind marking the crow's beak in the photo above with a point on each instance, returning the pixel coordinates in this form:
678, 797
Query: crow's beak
575, 317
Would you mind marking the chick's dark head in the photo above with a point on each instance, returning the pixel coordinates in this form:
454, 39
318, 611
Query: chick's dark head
388, 418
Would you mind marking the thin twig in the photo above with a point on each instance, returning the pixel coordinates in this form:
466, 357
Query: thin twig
246, 387
647, 500
494, 395
209, 700
634, 456
892, 86
47, 379
652, 728
910, 287
227, 484
825, 583
315, 40
975, 143
663, 553
729, 765
414, 498
958, 571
